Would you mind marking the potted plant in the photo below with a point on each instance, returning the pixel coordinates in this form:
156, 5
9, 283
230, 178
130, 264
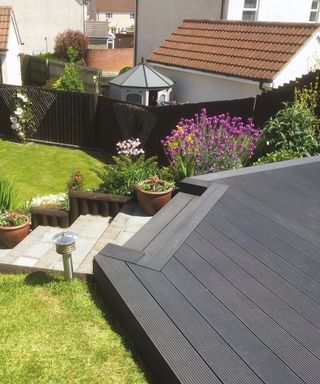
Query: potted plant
14, 227
153, 194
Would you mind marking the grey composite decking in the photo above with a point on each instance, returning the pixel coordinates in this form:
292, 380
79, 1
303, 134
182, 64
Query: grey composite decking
225, 287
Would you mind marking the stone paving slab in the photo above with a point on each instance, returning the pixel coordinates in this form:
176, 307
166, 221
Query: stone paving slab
127, 222
37, 251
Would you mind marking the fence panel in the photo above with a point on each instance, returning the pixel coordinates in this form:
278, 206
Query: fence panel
61, 117
118, 120
269, 103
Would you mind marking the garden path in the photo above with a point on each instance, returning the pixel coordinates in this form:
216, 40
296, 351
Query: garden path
37, 251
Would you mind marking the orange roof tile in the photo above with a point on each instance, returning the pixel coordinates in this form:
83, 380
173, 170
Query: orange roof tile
5, 15
251, 50
115, 5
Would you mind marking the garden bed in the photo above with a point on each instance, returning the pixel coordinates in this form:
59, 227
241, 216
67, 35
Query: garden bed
81, 203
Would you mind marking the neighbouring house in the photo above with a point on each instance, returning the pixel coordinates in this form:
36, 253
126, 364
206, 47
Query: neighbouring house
40, 21
141, 85
119, 13
222, 60
222, 285
10, 43
155, 20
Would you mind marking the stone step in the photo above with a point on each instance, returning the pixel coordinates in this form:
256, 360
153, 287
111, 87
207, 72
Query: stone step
127, 222
37, 251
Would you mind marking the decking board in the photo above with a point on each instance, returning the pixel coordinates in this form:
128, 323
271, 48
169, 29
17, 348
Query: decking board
225, 288
300, 327
287, 348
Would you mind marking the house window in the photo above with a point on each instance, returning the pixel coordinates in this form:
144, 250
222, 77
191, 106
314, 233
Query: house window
131, 15
314, 13
250, 10
134, 98
109, 15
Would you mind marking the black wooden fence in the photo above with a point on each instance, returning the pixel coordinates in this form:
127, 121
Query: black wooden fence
269, 103
91, 121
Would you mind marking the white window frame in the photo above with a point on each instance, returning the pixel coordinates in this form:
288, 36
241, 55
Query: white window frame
314, 12
253, 10
109, 15
132, 15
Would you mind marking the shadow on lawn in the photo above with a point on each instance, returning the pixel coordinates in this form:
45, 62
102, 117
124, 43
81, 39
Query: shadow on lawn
116, 327
40, 278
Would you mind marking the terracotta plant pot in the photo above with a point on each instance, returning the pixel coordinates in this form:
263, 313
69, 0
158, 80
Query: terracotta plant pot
11, 236
151, 202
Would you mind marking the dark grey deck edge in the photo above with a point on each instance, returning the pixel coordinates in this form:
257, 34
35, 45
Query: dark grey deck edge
211, 177
155, 336
194, 186
146, 234
163, 247
121, 253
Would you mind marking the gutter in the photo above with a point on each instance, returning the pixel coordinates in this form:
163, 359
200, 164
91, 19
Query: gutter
136, 33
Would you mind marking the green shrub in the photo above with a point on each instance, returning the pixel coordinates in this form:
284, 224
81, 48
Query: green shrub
124, 69
8, 195
70, 38
294, 127
281, 155
70, 80
118, 178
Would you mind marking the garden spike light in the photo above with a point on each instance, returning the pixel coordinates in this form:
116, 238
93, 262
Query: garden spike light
66, 243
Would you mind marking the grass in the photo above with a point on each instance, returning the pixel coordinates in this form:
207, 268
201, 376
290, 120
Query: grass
40, 169
54, 332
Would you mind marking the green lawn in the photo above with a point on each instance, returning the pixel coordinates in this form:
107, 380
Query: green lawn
40, 169
54, 332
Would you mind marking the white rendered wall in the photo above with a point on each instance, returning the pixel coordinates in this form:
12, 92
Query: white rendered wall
197, 87
303, 62
11, 71
273, 10
37, 19
120, 20
156, 20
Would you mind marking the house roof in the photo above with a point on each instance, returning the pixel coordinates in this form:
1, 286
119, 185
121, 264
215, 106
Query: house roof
5, 17
142, 76
224, 287
250, 50
115, 6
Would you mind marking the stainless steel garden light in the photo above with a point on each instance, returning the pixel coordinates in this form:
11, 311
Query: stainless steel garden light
66, 243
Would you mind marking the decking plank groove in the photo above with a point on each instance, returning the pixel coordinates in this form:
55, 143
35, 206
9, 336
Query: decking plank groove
143, 237
238, 240
168, 341
262, 360
224, 362
287, 348
306, 212
163, 246
283, 314
288, 253
234, 201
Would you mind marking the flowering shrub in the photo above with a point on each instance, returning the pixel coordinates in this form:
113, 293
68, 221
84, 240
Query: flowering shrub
74, 39
23, 123
210, 144
76, 180
129, 147
59, 200
128, 168
12, 219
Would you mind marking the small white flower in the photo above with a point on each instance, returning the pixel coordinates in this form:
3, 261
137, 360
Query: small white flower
18, 111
